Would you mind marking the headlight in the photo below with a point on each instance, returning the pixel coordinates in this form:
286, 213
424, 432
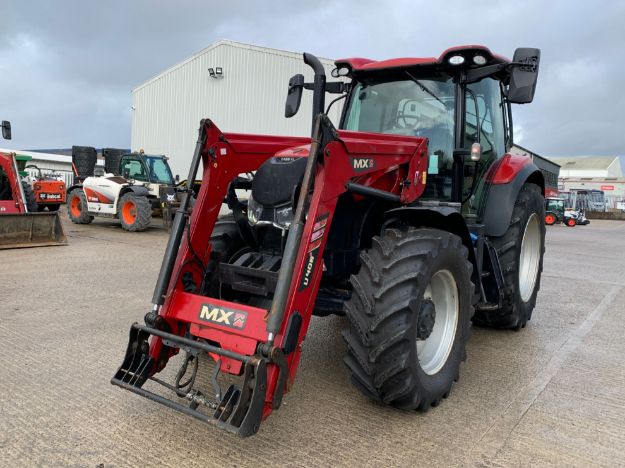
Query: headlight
284, 216
254, 210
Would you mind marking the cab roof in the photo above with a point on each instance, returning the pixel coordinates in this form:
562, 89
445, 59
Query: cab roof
362, 66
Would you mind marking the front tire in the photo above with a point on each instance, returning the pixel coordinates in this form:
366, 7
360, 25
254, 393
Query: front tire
31, 202
135, 212
520, 251
409, 317
77, 207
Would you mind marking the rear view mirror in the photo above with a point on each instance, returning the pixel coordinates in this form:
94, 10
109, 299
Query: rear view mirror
6, 129
294, 96
524, 75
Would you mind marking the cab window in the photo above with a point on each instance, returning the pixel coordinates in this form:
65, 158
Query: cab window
134, 169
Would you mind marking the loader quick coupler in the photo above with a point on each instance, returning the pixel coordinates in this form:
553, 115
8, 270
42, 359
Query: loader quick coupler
238, 409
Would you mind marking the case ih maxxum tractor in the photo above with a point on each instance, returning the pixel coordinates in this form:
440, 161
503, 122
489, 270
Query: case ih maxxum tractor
411, 219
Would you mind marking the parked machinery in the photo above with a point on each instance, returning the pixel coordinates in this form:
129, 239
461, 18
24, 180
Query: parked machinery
411, 219
19, 225
128, 189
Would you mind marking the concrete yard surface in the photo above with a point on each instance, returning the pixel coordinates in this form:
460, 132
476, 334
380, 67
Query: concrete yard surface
551, 394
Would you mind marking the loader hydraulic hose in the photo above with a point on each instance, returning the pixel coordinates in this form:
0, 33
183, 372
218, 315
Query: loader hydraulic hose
178, 225
294, 238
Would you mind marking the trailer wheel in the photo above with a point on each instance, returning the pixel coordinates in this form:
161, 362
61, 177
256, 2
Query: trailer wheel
409, 317
520, 252
134, 212
571, 222
31, 202
77, 207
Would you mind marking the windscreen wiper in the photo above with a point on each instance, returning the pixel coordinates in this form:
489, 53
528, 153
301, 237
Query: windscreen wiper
424, 88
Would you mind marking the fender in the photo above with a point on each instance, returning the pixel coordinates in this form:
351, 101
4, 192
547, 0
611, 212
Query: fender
71, 188
443, 217
506, 178
137, 189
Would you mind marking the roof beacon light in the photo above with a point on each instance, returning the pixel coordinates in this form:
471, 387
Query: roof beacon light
456, 60
479, 60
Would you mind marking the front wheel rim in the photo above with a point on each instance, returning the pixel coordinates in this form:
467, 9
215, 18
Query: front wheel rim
529, 258
433, 352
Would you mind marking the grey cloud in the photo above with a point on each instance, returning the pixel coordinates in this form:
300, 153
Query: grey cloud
67, 67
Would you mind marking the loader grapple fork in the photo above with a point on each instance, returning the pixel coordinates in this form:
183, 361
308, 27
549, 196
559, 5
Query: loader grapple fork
238, 410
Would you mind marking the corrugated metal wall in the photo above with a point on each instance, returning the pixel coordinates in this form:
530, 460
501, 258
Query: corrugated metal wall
249, 98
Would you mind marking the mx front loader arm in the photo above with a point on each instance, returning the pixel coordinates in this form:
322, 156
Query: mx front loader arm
259, 345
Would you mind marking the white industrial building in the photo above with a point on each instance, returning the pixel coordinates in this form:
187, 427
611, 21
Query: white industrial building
603, 174
47, 162
241, 87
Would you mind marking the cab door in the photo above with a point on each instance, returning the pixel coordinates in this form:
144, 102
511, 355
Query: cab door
485, 124
133, 168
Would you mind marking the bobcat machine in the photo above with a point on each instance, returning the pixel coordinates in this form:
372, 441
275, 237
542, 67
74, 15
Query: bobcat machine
129, 188
48, 188
411, 218
20, 224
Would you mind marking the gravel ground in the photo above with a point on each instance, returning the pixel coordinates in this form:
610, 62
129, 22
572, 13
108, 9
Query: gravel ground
552, 394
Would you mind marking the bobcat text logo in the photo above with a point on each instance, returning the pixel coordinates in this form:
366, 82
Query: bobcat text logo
223, 316
363, 164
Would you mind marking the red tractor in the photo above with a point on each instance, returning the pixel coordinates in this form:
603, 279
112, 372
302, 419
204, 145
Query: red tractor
19, 226
411, 218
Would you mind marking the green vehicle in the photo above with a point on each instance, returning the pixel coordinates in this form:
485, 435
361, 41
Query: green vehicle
556, 212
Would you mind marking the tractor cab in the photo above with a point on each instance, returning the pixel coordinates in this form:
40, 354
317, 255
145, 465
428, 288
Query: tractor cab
141, 167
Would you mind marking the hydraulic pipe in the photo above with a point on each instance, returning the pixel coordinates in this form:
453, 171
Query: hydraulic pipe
319, 86
294, 238
169, 259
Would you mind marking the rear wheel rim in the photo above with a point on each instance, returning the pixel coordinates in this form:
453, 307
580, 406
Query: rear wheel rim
129, 212
433, 352
549, 219
76, 207
529, 258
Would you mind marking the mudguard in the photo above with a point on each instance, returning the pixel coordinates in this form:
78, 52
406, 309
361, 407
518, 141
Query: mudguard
506, 180
438, 216
137, 189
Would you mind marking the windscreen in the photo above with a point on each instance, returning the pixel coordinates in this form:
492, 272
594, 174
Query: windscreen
159, 171
414, 106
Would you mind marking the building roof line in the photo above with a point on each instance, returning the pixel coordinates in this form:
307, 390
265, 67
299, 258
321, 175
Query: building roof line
214, 45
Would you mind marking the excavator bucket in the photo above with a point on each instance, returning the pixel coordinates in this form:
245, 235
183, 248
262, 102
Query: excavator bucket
19, 230
18, 227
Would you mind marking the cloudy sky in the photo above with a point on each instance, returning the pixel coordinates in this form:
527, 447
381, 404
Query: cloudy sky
67, 67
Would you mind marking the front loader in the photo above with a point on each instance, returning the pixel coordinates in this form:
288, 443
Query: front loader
19, 226
411, 218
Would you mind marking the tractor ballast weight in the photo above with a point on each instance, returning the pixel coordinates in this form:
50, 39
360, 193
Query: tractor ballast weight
20, 228
360, 231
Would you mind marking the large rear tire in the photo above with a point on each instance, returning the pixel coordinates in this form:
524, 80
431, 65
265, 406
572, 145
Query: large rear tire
135, 212
409, 317
77, 207
520, 251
